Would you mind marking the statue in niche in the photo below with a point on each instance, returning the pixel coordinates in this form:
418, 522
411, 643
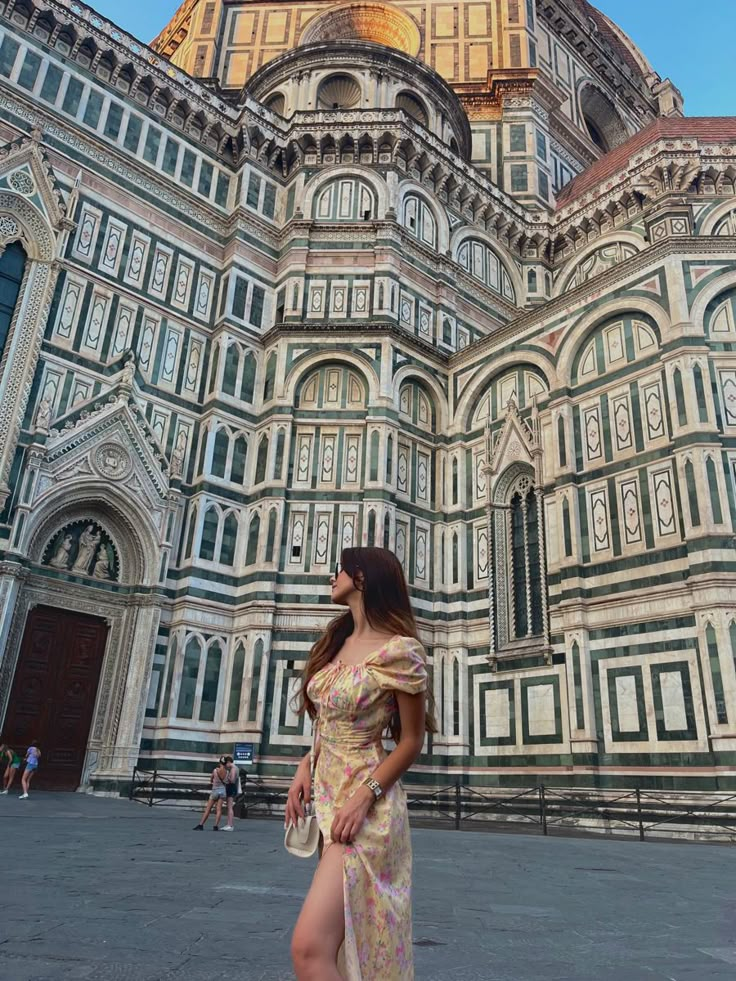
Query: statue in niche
178, 454
128, 371
43, 416
60, 560
88, 542
102, 565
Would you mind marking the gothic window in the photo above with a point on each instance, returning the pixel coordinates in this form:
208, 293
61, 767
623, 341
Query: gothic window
345, 199
482, 263
230, 374
248, 383
229, 539
519, 560
236, 684
679, 397
240, 455
220, 452
700, 393
208, 703
189, 677
614, 345
258, 670
692, 494
270, 379
418, 219
173, 648
262, 461
210, 528
253, 535
271, 535
12, 266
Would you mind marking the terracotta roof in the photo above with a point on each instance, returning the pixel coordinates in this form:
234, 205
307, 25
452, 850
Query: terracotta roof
720, 129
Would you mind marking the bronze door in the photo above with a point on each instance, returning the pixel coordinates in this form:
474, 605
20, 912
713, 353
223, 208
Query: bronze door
54, 690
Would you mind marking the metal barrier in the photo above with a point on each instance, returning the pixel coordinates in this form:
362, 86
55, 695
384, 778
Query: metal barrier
542, 809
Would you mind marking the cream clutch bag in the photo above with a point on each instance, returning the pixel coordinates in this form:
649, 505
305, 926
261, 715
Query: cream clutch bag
302, 838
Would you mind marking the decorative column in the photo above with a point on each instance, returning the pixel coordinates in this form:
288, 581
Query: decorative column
527, 573
542, 563
489, 547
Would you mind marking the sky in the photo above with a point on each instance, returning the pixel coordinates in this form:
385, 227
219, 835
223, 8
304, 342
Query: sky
696, 52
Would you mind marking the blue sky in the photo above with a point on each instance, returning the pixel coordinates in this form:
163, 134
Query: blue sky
694, 51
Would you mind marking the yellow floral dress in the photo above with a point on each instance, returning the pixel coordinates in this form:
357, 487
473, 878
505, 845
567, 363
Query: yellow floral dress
355, 704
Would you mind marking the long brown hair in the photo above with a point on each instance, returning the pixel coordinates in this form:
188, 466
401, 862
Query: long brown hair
387, 608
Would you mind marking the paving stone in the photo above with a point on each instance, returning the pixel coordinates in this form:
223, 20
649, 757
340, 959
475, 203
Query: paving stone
106, 890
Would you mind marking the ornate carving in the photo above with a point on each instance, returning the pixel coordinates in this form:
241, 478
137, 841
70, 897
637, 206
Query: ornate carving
84, 548
22, 182
113, 461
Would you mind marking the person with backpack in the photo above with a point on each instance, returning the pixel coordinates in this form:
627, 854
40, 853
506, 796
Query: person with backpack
232, 789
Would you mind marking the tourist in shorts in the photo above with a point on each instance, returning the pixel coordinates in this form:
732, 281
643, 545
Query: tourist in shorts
217, 796
33, 755
232, 787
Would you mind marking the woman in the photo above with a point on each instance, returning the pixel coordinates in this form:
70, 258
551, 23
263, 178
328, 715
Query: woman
216, 797
366, 674
33, 755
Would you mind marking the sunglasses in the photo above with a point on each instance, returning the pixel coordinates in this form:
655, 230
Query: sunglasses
338, 569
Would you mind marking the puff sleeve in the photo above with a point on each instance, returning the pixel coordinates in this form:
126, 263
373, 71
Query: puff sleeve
401, 666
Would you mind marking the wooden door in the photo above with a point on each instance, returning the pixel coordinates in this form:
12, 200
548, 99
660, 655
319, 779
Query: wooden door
54, 690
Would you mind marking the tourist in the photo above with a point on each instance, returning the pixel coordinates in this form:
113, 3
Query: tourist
217, 796
365, 677
11, 767
232, 788
33, 755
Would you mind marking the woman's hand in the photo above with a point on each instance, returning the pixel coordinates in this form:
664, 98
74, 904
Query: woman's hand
299, 793
349, 819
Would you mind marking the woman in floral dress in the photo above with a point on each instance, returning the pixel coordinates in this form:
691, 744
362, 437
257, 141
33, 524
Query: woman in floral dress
365, 677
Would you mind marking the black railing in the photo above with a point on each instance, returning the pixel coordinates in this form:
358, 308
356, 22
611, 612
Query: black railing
543, 810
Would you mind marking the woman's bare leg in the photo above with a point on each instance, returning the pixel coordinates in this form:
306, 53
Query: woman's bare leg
218, 812
320, 929
207, 809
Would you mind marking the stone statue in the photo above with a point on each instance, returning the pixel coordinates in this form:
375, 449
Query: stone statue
61, 558
43, 416
88, 542
128, 373
177, 456
102, 565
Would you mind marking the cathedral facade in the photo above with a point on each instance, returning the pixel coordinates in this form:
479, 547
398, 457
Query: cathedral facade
455, 278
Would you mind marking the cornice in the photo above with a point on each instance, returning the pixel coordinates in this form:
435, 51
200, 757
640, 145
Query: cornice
349, 329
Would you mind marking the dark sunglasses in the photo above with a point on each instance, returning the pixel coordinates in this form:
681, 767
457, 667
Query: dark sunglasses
338, 569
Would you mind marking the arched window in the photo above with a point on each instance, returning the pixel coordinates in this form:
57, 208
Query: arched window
455, 481
262, 460
258, 659
479, 259
247, 387
190, 533
345, 199
253, 535
455, 698
236, 684
214, 369
268, 385
173, 650
715, 496
229, 539
700, 393
271, 535
519, 559
561, 442
692, 494
375, 440
371, 527
220, 452
386, 531
189, 677
455, 559
278, 462
211, 683
240, 455
230, 373
209, 535
418, 219
566, 529
12, 267
389, 459
679, 397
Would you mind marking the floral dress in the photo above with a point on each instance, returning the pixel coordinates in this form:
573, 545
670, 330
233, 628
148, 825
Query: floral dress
355, 704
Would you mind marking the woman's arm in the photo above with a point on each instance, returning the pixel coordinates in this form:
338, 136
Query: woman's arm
349, 819
300, 791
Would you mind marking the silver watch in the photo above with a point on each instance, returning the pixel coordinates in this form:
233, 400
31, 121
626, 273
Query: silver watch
375, 787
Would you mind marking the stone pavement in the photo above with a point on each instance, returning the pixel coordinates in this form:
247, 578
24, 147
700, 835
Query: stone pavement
106, 890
